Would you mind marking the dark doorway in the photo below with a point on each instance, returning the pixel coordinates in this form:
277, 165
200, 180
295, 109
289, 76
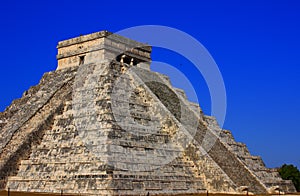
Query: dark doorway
81, 60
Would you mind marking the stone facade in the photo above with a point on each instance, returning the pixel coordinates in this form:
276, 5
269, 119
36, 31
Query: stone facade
104, 124
99, 46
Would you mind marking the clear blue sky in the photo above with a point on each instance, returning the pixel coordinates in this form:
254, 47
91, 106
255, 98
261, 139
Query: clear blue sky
256, 45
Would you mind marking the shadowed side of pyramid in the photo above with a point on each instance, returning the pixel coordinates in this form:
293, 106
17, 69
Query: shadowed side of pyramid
103, 123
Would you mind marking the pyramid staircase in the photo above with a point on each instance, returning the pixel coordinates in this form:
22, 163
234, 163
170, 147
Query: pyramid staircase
113, 128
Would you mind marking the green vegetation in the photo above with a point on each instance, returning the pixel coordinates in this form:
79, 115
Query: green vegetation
290, 172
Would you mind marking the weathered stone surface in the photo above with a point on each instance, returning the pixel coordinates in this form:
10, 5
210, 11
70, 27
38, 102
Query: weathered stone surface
107, 125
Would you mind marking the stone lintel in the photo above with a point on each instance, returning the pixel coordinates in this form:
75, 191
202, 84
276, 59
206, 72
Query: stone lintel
83, 38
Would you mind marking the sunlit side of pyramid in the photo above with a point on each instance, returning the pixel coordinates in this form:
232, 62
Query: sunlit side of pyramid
104, 124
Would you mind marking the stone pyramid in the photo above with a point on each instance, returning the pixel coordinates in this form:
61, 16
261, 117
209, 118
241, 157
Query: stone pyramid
104, 124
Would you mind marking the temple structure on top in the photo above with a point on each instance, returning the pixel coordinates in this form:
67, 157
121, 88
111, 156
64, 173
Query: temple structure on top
99, 46
103, 123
